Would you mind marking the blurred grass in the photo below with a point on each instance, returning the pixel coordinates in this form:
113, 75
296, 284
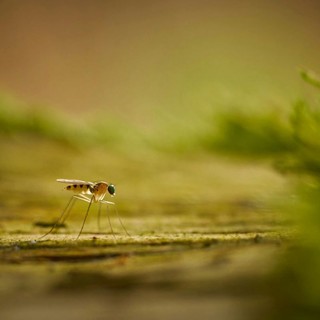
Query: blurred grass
299, 284
17, 118
244, 134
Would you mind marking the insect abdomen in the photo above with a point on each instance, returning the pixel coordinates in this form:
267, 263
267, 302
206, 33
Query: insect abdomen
78, 188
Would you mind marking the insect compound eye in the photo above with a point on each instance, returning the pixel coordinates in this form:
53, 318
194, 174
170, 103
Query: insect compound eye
112, 189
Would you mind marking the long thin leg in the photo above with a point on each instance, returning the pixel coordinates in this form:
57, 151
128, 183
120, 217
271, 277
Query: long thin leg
65, 213
82, 197
85, 218
106, 202
108, 216
66, 216
99, 216
122, 225
66, 210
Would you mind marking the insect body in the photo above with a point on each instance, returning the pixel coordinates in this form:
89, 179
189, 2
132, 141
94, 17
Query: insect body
97, 190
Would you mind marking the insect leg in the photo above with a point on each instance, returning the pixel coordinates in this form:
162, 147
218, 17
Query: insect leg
122, 225
106, 202
81, 197
66, 216
61, 218
99, 215
76, 197
114, 236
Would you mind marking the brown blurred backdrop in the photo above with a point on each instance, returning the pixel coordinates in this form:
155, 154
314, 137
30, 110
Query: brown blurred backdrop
133, 56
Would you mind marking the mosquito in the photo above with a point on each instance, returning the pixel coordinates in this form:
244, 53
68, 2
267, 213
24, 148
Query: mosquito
81, 188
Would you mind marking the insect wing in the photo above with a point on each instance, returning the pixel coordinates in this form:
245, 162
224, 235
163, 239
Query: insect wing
78, 186
70, 181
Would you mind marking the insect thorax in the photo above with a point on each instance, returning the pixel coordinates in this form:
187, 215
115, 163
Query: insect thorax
99, 190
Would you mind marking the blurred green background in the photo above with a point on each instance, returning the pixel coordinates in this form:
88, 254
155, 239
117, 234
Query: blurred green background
205, 115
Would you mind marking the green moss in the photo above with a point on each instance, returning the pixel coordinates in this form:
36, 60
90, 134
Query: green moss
249, 134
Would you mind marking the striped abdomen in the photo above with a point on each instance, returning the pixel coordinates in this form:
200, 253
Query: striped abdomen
79, 188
